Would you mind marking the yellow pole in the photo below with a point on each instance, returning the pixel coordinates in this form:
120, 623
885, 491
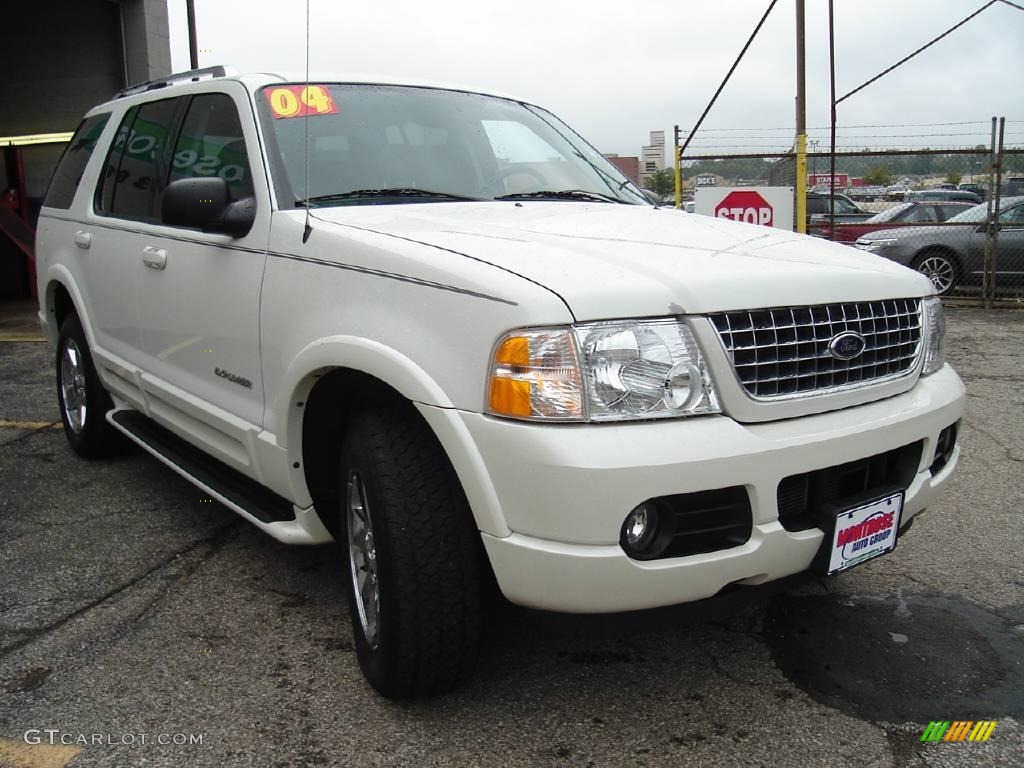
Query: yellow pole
801, 183
679, 177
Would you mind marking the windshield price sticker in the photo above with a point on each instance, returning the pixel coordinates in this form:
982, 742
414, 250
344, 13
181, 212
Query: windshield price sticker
300, 100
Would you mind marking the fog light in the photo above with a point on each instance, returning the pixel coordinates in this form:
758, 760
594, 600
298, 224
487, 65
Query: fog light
640, 531
944, 448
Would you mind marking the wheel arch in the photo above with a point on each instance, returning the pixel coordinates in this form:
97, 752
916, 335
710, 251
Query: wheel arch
333, 380
60, 299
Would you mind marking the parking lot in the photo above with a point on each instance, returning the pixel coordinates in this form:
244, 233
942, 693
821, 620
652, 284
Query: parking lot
131, 606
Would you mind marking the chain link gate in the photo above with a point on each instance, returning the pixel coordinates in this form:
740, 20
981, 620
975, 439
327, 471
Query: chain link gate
955, 214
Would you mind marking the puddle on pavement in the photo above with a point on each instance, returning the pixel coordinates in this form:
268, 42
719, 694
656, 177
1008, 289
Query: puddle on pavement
899, 658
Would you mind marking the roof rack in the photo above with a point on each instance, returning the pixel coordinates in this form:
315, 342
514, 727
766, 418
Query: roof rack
192, 76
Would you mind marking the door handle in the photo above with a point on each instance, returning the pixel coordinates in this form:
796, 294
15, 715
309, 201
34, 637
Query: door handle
154, 258
83, 239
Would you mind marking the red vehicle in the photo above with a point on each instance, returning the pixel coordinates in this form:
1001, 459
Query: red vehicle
900, 215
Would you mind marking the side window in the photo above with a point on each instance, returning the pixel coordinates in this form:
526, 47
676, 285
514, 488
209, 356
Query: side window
72, 164
1013, 217
920, 214
845, 206
210, 144
133, 179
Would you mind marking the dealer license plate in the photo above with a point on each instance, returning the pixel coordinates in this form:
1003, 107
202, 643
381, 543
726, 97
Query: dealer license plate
865, 532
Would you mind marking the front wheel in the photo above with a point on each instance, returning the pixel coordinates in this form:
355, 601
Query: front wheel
83, 400
411, 556
940, 268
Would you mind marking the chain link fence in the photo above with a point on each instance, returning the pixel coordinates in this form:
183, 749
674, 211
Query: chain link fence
954, 215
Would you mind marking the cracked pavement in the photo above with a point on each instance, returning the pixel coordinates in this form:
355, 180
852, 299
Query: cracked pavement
131, 605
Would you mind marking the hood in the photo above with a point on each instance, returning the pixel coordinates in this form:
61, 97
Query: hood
610, 261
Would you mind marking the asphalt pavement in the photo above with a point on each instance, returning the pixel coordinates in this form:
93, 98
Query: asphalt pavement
154, 625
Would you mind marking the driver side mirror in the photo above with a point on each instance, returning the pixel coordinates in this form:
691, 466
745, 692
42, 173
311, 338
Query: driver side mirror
205, 203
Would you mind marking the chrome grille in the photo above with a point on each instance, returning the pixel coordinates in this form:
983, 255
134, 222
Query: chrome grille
784, 351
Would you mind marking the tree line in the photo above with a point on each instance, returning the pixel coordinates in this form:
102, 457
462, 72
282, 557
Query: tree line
876, 169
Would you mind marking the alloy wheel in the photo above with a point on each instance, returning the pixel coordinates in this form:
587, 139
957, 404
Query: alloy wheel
72, 386
362, 558
939, 270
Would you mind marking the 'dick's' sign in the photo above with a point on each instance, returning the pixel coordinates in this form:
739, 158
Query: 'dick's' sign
766, 206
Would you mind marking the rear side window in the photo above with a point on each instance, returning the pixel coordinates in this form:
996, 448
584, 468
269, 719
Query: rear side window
72, 164
134, 176
211, 144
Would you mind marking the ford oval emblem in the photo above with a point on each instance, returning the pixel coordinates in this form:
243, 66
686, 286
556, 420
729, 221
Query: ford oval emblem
846, 345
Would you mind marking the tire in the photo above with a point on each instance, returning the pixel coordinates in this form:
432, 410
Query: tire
940, 267
82, 399
419, 637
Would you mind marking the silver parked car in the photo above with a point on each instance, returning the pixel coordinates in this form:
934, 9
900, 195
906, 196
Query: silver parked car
951, 254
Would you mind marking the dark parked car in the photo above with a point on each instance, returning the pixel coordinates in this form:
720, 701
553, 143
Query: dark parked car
946, 195
952, 255
818, 213
899, 215
1014, 186
977, 189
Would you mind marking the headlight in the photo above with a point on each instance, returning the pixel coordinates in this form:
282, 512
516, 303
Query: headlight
875, 245
615, 371
934, 335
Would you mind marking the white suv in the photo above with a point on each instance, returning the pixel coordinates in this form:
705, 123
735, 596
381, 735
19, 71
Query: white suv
438, 327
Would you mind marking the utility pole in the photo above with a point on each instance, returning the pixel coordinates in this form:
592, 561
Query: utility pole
193, 48
678, 169
832, 140
801, 122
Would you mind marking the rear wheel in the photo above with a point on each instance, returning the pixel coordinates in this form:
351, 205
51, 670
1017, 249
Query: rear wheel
411, 555
83, 400
941, 268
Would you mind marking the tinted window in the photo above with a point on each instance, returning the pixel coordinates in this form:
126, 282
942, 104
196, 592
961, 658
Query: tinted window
920, 214
1013, 216
946, 211
896, 213
134, 177
211, 144
72, 165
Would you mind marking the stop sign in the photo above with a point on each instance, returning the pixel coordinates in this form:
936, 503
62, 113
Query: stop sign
746, 206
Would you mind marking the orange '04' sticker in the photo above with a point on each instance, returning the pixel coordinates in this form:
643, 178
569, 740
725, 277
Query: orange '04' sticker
300, 100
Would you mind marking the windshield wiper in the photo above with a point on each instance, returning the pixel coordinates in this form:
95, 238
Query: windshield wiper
387, 192
562, 194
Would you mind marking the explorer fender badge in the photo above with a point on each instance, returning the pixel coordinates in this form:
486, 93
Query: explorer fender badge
235, 379
846, 345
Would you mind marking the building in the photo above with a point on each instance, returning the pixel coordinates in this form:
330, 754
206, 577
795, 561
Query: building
629, 166
62, 58
652, 156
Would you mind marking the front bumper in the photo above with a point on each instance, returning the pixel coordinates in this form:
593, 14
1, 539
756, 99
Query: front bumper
564, 491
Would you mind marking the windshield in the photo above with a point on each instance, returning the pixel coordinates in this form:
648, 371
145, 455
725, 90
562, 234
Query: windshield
890, 214
371, 144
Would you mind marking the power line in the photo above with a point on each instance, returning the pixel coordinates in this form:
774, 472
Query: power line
905, 59
849, 127
884, 137
894, 148
729, 74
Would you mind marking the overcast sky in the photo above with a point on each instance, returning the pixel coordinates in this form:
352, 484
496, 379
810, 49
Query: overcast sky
616, 70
